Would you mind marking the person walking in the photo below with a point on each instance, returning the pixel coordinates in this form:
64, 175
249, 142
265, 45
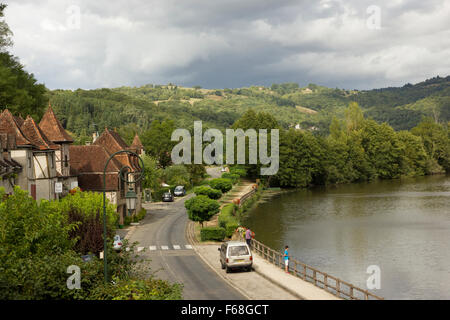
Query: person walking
286, 259
248, 237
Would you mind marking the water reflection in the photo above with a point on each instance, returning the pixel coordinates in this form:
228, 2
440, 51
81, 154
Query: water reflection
403, 226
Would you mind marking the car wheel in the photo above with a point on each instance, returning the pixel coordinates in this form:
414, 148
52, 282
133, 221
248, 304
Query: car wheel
222, 265
228, 270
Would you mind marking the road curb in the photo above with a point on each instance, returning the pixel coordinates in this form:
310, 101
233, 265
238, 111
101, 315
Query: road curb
188, 232
265, 276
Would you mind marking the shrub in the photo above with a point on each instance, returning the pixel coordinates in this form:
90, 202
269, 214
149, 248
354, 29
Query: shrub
221, 184
201, 208
232, 176
209, 192
137, 289
240, 171
227, 220
212, 233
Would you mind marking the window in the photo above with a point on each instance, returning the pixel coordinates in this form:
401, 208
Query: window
29, 160
66, 161
238, 251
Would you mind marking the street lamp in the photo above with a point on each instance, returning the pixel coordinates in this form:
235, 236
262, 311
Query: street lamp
130, 198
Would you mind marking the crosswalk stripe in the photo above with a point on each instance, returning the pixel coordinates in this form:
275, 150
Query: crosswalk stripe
164, 247
176, 247
139, 249
152, 248
188, 246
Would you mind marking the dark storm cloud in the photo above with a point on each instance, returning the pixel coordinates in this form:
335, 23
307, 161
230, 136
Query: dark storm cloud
231, 43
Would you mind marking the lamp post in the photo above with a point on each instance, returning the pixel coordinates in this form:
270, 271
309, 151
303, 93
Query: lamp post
130, 197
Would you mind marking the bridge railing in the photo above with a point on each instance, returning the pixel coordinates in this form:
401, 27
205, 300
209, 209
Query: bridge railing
335, 286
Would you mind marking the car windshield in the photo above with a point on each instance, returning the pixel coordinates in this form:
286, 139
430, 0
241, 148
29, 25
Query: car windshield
238, 251
179, 188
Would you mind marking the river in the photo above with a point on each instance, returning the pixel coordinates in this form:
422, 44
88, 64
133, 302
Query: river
401, 226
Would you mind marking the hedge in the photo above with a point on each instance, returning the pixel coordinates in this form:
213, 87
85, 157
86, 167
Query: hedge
209, 192
240, 171
212, 233
232, 176
227, 220
221, 184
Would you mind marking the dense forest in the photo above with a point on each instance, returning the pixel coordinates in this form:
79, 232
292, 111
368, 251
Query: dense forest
311, 108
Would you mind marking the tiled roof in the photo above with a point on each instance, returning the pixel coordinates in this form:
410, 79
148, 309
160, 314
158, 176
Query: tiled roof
113, 143
137, 144
8, 124
88, 163
36, 136
53, 128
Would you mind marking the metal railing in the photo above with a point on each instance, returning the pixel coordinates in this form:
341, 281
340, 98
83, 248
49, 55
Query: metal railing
246, 196
335, 286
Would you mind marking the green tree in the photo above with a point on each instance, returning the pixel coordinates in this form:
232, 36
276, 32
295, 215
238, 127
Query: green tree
157, 141
201, 208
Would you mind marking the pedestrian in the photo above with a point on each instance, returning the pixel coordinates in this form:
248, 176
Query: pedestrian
248, 237
286, 259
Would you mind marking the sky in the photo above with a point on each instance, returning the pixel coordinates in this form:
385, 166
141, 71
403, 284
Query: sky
352, 44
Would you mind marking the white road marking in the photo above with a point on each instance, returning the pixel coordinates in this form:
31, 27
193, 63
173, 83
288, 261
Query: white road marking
176, 247
140, 249
188, 246
152, 248
164, 247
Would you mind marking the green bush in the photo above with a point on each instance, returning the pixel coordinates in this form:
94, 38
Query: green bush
201, 208
232, 176
240, 171
138, 289
212, 233
209, 192
227, 220
127, 220
221, 184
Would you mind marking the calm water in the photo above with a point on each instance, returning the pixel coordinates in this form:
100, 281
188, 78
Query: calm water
401, 226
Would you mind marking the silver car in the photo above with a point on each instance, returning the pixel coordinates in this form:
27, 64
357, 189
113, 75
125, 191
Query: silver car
235, 255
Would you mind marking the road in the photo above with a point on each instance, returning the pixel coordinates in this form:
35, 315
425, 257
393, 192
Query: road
162, 239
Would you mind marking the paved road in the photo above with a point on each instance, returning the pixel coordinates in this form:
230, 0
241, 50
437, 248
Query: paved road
162, 234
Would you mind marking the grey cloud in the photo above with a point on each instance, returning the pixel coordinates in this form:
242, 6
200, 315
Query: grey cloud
231, 43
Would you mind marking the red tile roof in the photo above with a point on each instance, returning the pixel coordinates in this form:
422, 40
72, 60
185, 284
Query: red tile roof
137, 144
53, 128
9, 124
36, 136
88, 162
113, 143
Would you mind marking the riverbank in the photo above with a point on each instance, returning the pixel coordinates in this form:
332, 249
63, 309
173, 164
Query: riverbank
400, 226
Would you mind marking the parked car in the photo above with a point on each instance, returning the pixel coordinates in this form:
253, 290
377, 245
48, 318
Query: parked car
179, 191
117, 245
235, 255
167, 197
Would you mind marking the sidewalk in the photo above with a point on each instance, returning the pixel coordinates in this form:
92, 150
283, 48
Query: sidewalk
266, 282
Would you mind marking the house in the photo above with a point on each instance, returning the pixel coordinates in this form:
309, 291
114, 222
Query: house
9, 168
33, 152
59, 137
88, 163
